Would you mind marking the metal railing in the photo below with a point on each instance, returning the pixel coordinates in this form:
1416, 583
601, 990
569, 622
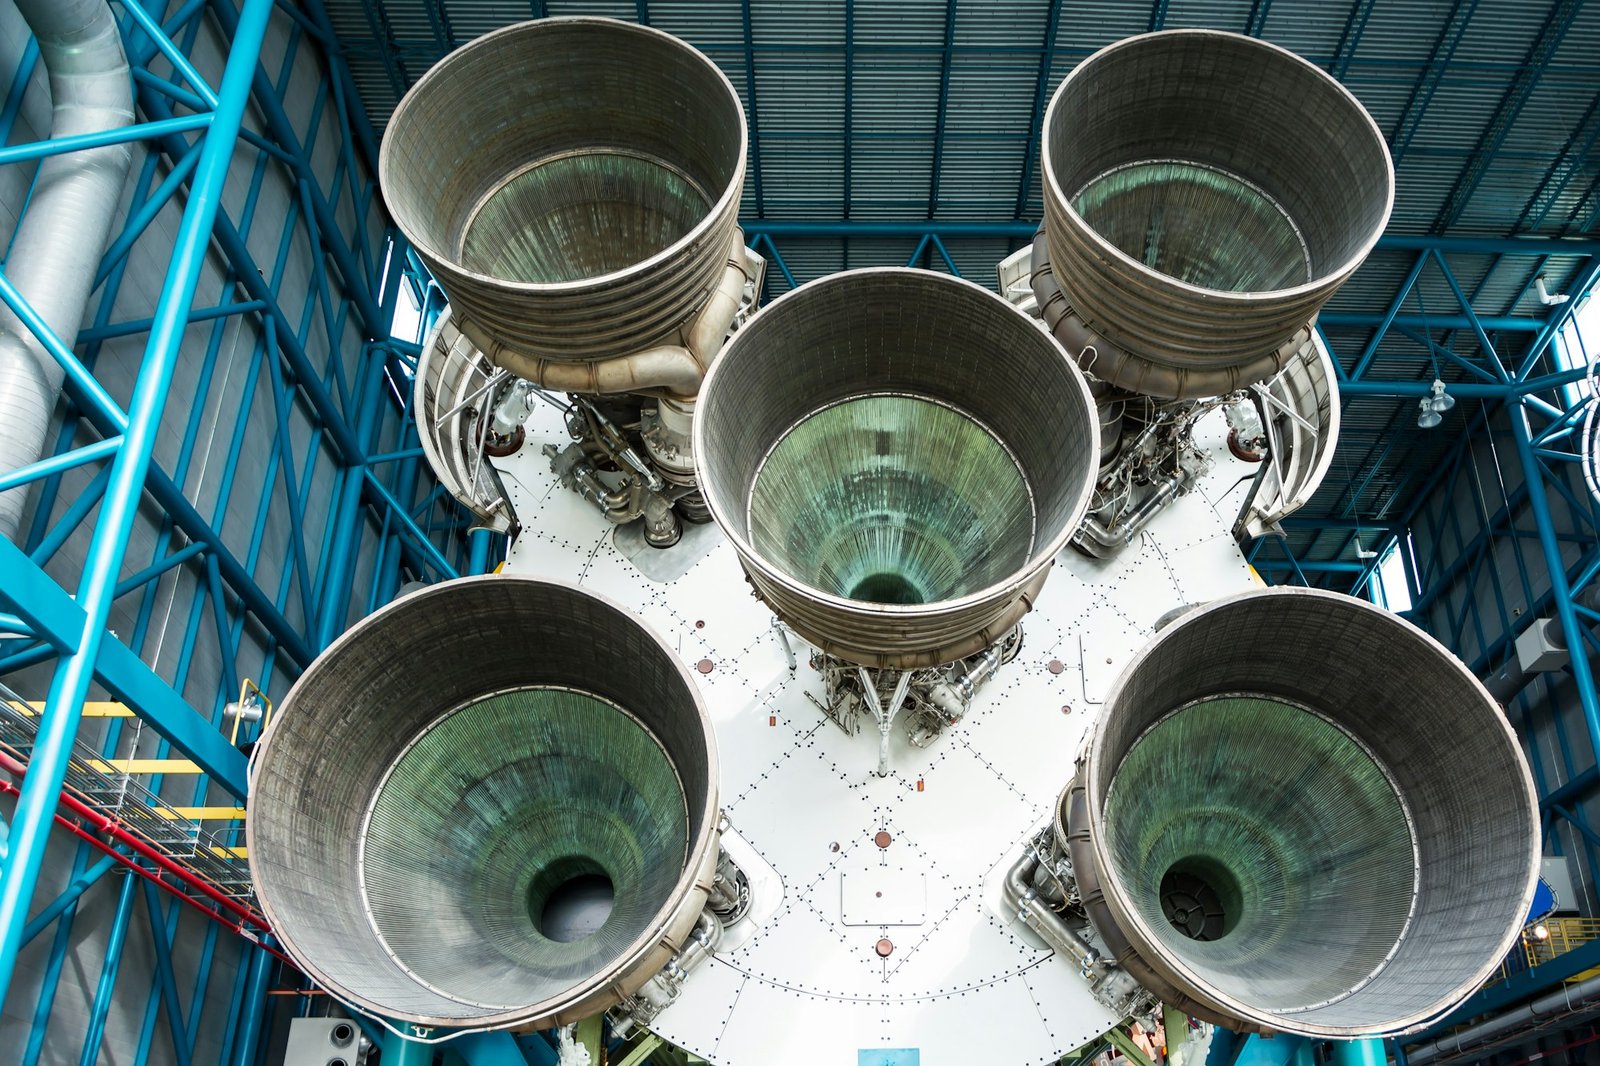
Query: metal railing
215, 856
1546, 939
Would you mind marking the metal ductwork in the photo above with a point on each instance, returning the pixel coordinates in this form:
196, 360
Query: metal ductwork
64, 230
1480, 1039
572, 183
1205, 193
1299, 813
460, 769
897, 457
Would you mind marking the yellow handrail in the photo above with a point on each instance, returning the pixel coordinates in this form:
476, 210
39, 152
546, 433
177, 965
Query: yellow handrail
1546, 939
245, 689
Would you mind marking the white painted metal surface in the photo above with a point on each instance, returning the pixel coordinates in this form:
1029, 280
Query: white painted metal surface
962, 981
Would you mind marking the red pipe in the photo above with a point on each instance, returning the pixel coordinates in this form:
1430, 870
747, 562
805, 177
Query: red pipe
1551, 1051
79, 831
112, 828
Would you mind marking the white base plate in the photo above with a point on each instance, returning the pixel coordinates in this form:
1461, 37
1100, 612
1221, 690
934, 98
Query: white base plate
962, 982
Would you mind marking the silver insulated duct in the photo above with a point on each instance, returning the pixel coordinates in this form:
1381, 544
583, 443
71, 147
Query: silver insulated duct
1205, 193
573, 184
897, 456
66, 225
463, 774
1300, 813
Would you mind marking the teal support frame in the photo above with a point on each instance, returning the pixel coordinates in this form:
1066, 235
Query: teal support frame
49, 614
59, 722
1369, 1052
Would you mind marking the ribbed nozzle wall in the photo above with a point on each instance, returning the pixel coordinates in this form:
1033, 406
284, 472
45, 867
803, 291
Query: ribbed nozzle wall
897, 456
572, 183
1300, 813
492, 803
1205, 194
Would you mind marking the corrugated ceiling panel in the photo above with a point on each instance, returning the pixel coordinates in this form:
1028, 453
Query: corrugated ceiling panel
1432, 77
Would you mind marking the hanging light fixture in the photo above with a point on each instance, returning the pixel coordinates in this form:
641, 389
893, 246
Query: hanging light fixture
1431, 406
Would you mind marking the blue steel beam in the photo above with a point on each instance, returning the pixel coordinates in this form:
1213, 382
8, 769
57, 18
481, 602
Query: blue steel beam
1451, 32
1555, 563
18, 88
270, 103
1509, 323
439, 22
1364, 360
942, 112
1256, 23
1504, 120
139, 131
1041, 98
70, 684
198, 990
1585, 280
166, 981
1023, 229
79, 884
81, 385
1474, 322
54, 615
1460, 390
110, 966
49, 980
247, 1038
158, 36
753, 111
1355, 25
59, 462
389, 50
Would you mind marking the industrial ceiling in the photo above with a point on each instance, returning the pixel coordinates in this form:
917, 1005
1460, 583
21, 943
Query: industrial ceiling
873, 124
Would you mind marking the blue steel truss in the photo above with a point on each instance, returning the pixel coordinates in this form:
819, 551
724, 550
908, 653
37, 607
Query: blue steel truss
387, 507
386, 498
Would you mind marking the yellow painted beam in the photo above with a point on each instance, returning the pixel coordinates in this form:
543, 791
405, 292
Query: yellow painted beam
229, 853
201, 814
144, 766
91, 709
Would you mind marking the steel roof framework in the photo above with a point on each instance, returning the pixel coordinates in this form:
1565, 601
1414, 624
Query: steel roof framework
1507, 188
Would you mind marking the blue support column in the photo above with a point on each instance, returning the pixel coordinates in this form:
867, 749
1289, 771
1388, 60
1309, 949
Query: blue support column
252, 1009
59, 723
1561, 590
479, 544
490, 1049
166, 981
96, 1029
1239, 1049
1369, 1052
